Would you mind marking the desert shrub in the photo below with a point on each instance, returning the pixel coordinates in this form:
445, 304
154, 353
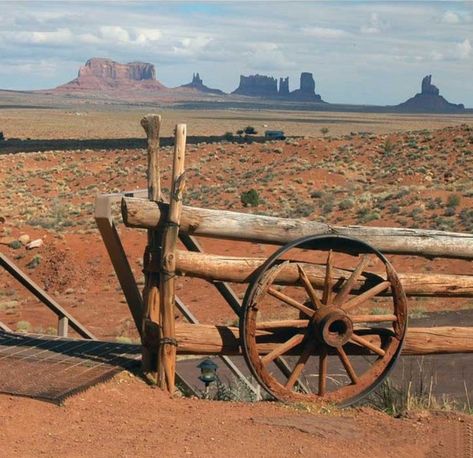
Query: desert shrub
324, 130
23, 326
449, 211
2, 137
250, 198
228, 136
250, 130
388, 147
346, 204
453, 200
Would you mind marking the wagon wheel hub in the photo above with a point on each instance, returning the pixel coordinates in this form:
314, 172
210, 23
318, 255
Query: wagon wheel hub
332, 326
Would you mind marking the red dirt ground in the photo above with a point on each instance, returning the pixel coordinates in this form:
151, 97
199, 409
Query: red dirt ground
400, 180
127, 418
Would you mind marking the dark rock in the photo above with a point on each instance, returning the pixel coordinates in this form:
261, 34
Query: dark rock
429, 100
427, 87
306, 92
307, 83
198, 85
283, 87
257, 86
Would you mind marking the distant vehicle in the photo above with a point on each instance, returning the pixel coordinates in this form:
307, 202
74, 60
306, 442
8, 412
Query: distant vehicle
274, 135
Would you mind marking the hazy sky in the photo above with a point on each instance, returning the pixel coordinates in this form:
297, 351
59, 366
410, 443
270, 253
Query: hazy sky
359, 52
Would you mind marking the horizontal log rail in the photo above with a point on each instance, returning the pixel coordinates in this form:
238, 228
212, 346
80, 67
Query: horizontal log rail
142, 213
240, 270
223, 340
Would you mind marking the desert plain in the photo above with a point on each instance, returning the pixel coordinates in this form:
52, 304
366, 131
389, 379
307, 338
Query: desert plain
375, 169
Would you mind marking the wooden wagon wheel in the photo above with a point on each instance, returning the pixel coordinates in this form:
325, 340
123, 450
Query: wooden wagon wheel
334, 345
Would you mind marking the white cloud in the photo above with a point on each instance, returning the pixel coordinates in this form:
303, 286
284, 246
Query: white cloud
464, 49
114, 33
144, 36
374, 25
324, 32
449, 17
191, 46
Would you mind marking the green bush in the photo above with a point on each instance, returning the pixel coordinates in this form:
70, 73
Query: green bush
250, 198
346, 204
453, 200
228, 136
250, 130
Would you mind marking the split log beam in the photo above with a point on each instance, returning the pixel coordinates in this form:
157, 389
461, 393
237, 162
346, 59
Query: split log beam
223, 340
167, 347
222, 224
241, 270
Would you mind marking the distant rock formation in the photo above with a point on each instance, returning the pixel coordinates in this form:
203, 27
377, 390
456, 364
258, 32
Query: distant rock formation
283, 87
427, 87
267, 87
306, 91
257, 86
103, 74
198, 85
429, 100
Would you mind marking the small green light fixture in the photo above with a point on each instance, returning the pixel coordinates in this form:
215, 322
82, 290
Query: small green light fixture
208, 371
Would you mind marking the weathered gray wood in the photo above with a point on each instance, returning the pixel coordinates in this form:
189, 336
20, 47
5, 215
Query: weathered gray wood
240, 270
167, 352
267, 229
209, 339
62, 326
151, 303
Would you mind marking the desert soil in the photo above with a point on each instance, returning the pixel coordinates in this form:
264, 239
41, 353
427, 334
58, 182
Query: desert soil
125, 417
416, 178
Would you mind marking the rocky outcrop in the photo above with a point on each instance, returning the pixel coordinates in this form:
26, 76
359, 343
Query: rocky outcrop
102, 74
429, 100
267, 87
427, 88
257, 86
107, 69
283, 87
306, 91
198, 85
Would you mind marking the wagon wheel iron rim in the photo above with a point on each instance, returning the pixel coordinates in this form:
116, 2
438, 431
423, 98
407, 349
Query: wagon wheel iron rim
328, 328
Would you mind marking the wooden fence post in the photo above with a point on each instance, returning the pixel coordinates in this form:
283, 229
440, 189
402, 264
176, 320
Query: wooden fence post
168, 342
151, 331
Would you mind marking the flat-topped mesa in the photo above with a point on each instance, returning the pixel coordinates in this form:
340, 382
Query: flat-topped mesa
429, 100
257, 86
198, 84
103, 74
108, 69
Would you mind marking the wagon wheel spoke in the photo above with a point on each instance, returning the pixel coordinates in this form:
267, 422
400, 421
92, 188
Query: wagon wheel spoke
347, 365
348, 286
283, 348
301, 362
327, 296
323, 360
367, 295
289, 301
309, 288
367, 344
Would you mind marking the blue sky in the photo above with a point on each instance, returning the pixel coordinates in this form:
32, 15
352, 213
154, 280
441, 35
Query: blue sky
359, 52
